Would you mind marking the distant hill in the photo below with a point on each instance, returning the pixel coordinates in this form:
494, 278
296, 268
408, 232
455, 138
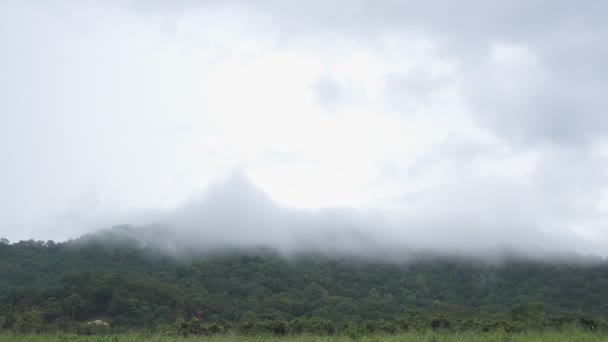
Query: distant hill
112, 274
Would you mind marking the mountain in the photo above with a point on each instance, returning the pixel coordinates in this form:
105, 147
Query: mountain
110, 274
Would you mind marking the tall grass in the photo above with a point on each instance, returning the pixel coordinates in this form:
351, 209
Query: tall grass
574, 336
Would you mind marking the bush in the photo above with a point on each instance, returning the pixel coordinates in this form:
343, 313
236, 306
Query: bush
387, 327
440, 322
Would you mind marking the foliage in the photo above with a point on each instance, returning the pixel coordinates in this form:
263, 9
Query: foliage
571, 336
60, 287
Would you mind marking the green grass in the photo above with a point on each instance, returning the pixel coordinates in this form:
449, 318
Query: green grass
574, 336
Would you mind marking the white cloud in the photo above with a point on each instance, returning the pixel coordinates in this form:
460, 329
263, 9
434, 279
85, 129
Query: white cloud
440, 115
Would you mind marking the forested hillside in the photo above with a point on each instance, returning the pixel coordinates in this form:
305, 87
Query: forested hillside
57, 286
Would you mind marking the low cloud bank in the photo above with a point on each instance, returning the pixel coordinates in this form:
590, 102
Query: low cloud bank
237, 215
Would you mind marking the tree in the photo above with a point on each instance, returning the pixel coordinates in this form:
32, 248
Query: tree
29, 321
373, 294
74, 303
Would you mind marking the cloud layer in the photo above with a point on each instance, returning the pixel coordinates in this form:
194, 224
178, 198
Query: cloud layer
459, 125
236, 215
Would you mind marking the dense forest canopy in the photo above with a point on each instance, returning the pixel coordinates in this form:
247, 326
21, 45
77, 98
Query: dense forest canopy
48, 285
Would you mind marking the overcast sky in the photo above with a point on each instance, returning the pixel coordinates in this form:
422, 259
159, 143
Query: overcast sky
473, 124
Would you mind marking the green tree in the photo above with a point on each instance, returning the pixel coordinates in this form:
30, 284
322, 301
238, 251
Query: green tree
29, 321
73, 303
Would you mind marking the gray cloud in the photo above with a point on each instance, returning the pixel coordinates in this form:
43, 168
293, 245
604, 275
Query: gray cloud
535, 101
330, 92
559, 98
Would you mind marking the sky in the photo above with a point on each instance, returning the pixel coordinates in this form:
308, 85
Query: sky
447, 125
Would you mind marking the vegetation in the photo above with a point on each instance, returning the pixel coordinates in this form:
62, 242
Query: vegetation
574, 336
57, 288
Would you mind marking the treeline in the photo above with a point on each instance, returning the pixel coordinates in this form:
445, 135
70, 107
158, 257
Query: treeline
48, 286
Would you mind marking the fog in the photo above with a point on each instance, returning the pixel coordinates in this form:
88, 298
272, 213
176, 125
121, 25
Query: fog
350, 127
233, 214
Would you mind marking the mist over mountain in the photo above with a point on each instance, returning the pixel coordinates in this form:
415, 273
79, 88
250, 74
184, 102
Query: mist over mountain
279, 167
235, 215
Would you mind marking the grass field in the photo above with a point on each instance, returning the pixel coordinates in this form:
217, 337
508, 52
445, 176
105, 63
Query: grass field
574, 336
